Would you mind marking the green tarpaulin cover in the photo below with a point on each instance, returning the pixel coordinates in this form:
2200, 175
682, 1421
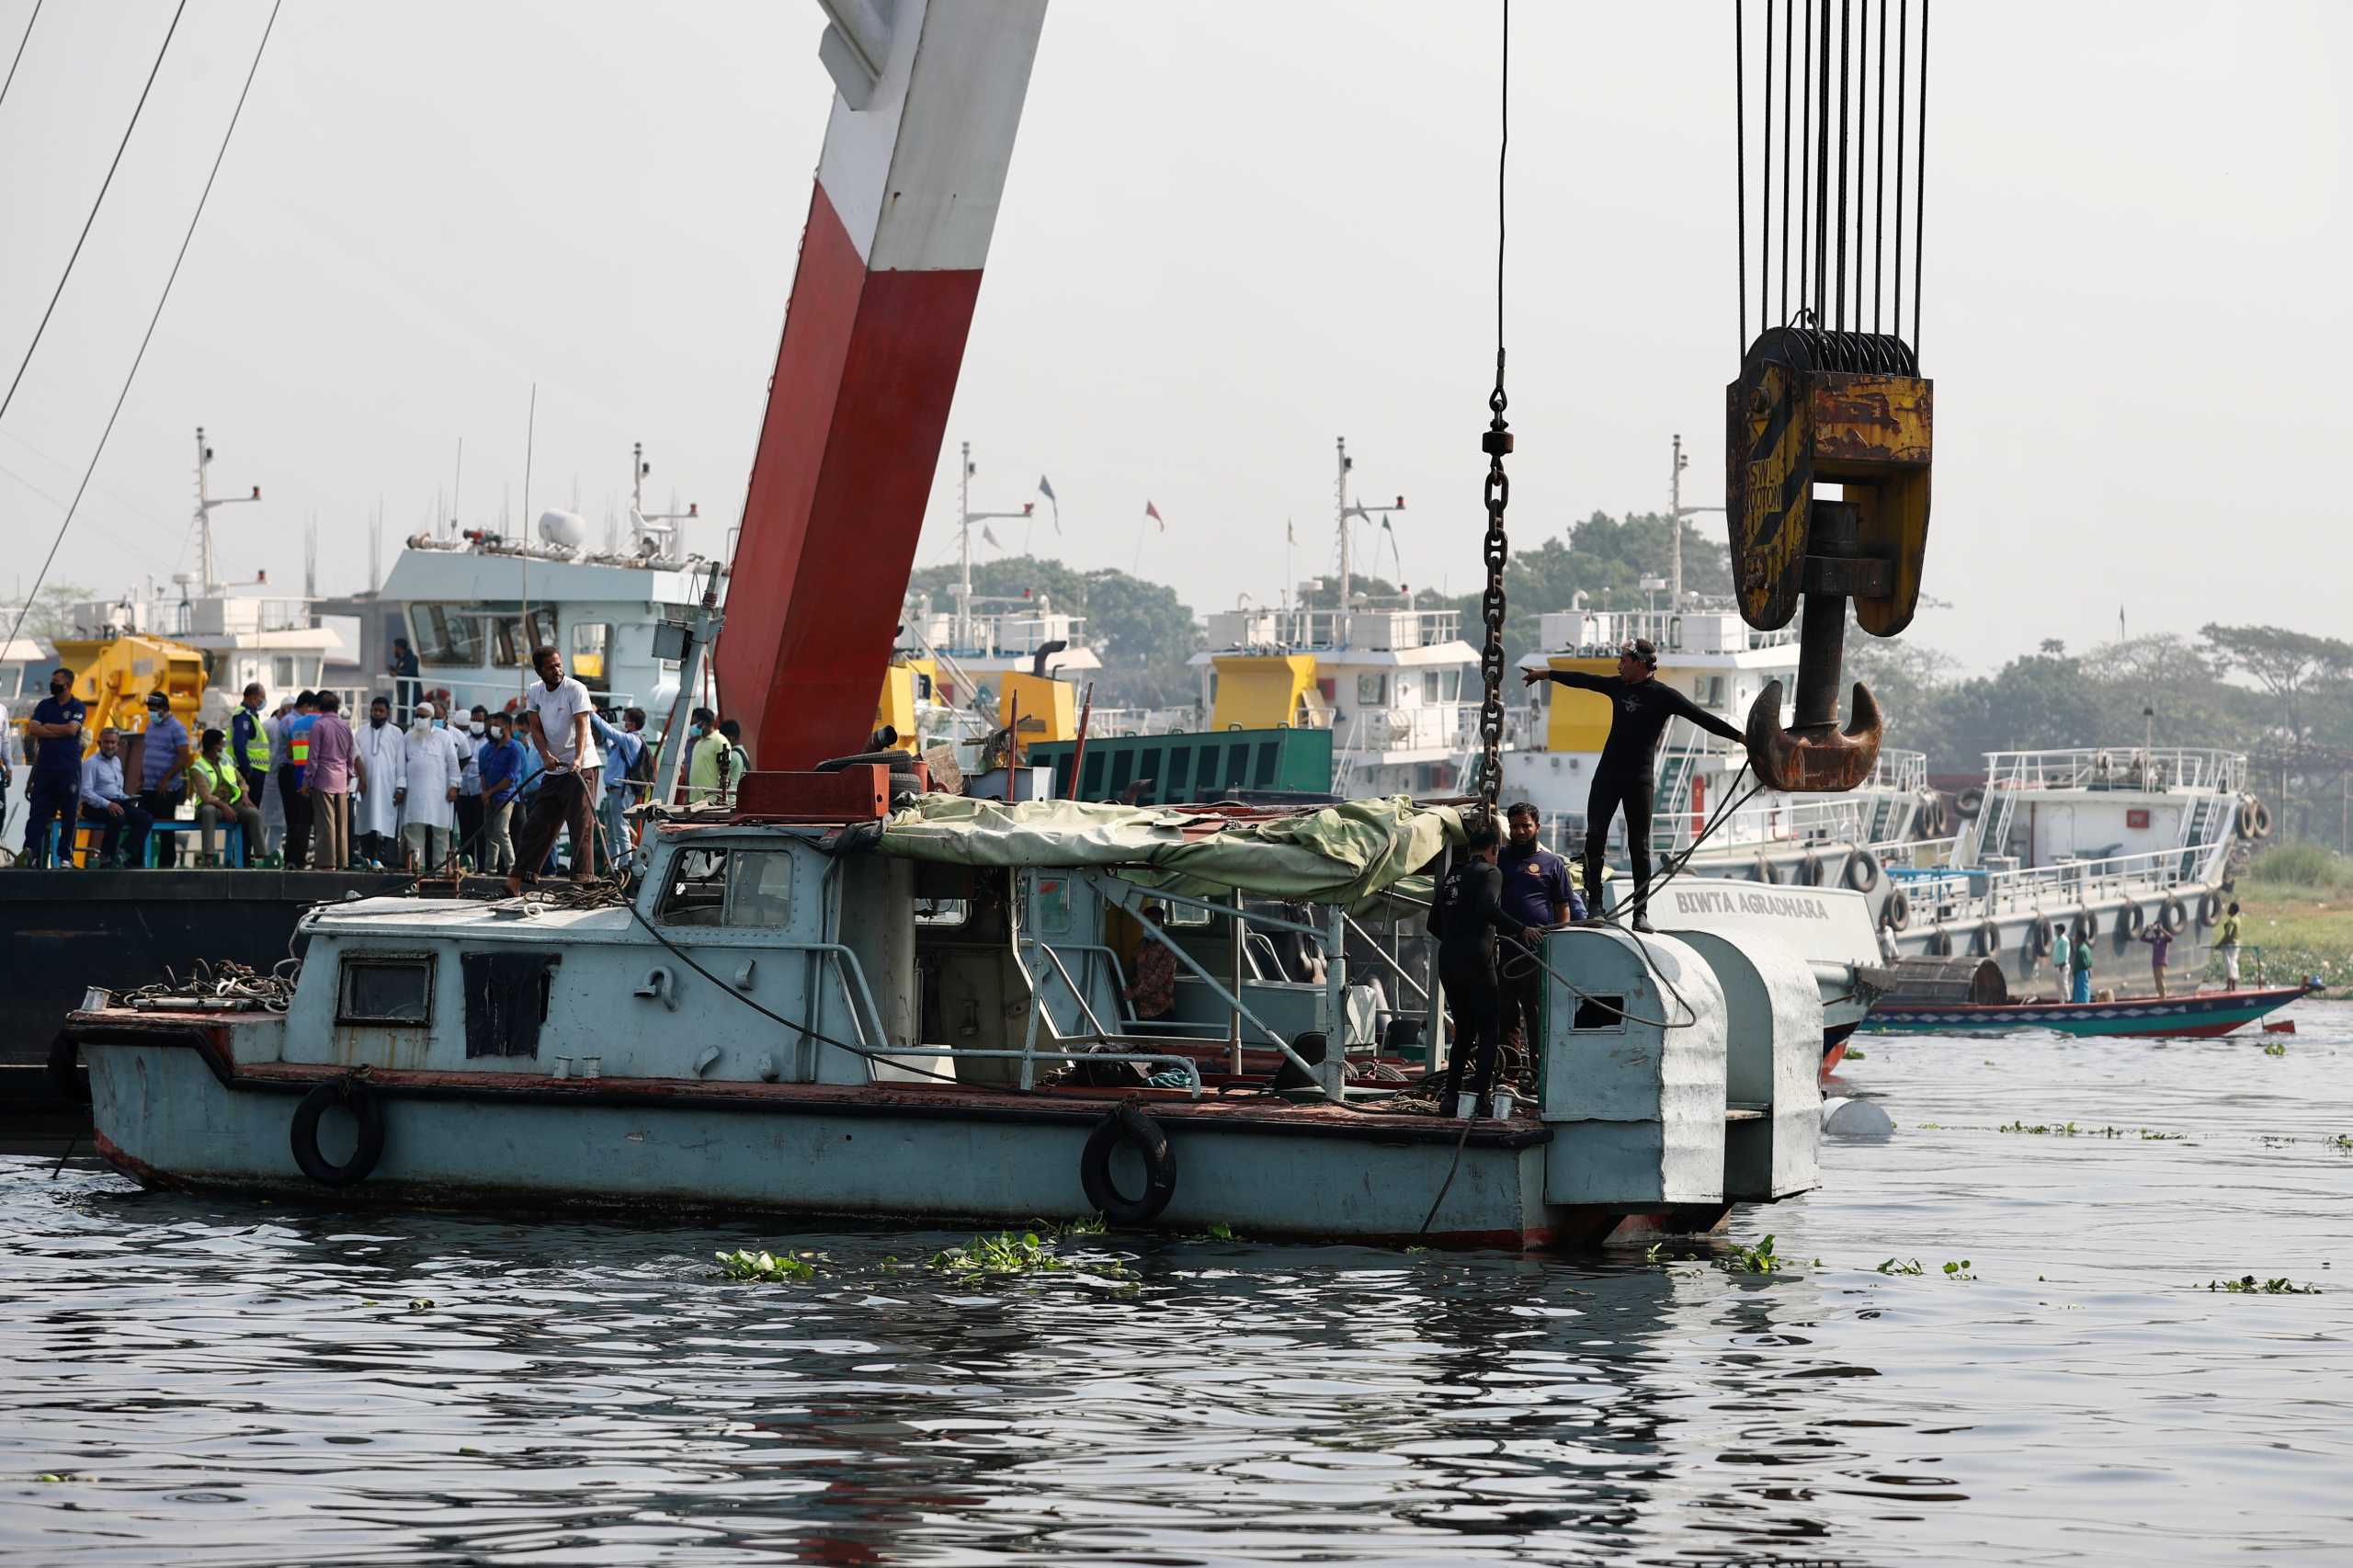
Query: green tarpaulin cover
1341, 853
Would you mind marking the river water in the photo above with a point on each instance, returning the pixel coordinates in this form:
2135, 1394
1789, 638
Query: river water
197, 1381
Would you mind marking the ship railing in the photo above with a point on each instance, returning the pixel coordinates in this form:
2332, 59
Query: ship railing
1946, 893
2118, 768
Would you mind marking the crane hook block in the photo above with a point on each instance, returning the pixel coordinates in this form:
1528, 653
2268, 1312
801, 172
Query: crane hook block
1814, 407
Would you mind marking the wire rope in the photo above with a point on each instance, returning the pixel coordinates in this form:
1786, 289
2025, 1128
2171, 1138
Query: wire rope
104, 185
17, 58
149, 335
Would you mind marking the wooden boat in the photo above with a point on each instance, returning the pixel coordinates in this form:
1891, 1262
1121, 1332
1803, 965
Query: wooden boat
2204, 1013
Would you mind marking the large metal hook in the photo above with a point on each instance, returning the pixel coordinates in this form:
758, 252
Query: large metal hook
1813, 756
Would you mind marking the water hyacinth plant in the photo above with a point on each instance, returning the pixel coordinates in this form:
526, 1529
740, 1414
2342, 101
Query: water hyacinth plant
767, 1268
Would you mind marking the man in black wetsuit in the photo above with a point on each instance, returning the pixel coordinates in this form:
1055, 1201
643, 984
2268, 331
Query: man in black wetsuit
1465, 915
1626, 774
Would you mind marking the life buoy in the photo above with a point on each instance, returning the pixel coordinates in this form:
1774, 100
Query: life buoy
305, 1136
2038, 932
1896, 912
2086, 926
2172, 916
1971, 801
1989, 939
1764, 871
2210, 909
1862, 871
64, 1081
1128, 1125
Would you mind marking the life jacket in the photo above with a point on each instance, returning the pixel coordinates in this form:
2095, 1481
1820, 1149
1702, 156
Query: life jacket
222, 777
257, 752
297, 739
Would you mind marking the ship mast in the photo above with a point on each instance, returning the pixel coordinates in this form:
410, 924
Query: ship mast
204, 505
660, 528
1348, 510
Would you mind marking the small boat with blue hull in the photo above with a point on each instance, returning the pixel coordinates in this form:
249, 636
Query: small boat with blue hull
933, 1027
2205, 1013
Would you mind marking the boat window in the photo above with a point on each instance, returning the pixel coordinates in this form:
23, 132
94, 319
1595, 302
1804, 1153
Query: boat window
1599, 1013
591, 643
1186, 914
943, 910
514, 647
744, 889
377, 989
760, 888
1372, 689
1053, 907
447, 637
697, 890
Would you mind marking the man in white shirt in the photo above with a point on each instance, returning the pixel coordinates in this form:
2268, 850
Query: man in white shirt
106, 805
383, 749
434, 770
555, 722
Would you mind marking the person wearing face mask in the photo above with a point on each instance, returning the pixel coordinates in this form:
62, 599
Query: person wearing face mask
249, 750
432, 768
163, 764
471, 740
383, 786
221, 798
53, 746
499, 763
705, 747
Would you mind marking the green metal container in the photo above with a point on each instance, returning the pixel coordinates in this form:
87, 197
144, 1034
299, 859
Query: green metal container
1210, 764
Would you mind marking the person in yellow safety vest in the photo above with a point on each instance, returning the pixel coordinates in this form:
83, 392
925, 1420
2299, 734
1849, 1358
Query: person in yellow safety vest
221, 795
249, 743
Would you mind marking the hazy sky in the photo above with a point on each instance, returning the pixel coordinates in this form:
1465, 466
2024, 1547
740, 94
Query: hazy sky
1232, 232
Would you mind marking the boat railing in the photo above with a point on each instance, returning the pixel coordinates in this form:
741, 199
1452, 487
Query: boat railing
1948, 892
2116, 767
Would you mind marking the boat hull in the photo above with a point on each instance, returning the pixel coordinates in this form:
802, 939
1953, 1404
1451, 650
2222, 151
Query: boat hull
2207, 1014
173, 1109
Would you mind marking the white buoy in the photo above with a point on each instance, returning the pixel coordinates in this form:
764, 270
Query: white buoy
566, 530
1846, 1117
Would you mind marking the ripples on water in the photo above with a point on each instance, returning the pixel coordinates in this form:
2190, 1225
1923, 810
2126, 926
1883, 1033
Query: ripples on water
204, 1382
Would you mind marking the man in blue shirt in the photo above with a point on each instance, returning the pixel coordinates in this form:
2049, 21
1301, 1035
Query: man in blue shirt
109, 806
53, 746
1537, 891
162, 765
623, 749
498, 762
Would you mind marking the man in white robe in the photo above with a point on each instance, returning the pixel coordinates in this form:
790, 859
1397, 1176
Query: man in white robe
435, 771
376, 814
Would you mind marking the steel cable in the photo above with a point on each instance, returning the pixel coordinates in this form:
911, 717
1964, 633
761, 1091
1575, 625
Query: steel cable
16, 59
104, 185
149, 335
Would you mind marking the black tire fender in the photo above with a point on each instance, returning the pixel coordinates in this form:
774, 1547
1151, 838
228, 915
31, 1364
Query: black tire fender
1765, 871
1940, 943
1129, 1125
1896, 912
2086, 926
2210, 909
305, 1133
1861, 873
2037, 936
1970, 800
1989, 939
2173, 915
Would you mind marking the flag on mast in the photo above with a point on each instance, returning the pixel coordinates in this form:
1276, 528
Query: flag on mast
1153, 513
1047, 490
1290, 532
989, 537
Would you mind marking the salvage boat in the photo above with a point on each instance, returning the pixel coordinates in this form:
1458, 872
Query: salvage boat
842, 997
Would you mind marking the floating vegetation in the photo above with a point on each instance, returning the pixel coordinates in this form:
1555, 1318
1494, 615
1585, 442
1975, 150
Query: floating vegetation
1854, 1055
2051, 1128
2341, 1143
2248, 1285
1758, 1259
2275, 1049
419, 1303
1027, 1253
1959, 1270
1910, 1266
767, 1268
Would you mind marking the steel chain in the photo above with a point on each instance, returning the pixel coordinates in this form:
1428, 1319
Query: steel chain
1496, 552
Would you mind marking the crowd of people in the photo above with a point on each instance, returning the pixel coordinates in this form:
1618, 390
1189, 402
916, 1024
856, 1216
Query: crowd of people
306, 785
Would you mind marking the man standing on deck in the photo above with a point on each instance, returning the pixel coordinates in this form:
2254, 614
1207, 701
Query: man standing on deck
431, 772
249, 750
1625, 776
293, 757
334, 765
383, 786
53, 746
1537, 892
2082, 967
1466, 915
2062, 950
2227, 950
2160, 940
556, 721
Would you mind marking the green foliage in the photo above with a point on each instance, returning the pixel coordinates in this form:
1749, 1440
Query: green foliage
2275, 1049
1141, 630
2302, 866
1758, 1259
2248, 1285
1958, 1270
1027, 1253
46, 617
1911, 1266
767, 1268
1605, 558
